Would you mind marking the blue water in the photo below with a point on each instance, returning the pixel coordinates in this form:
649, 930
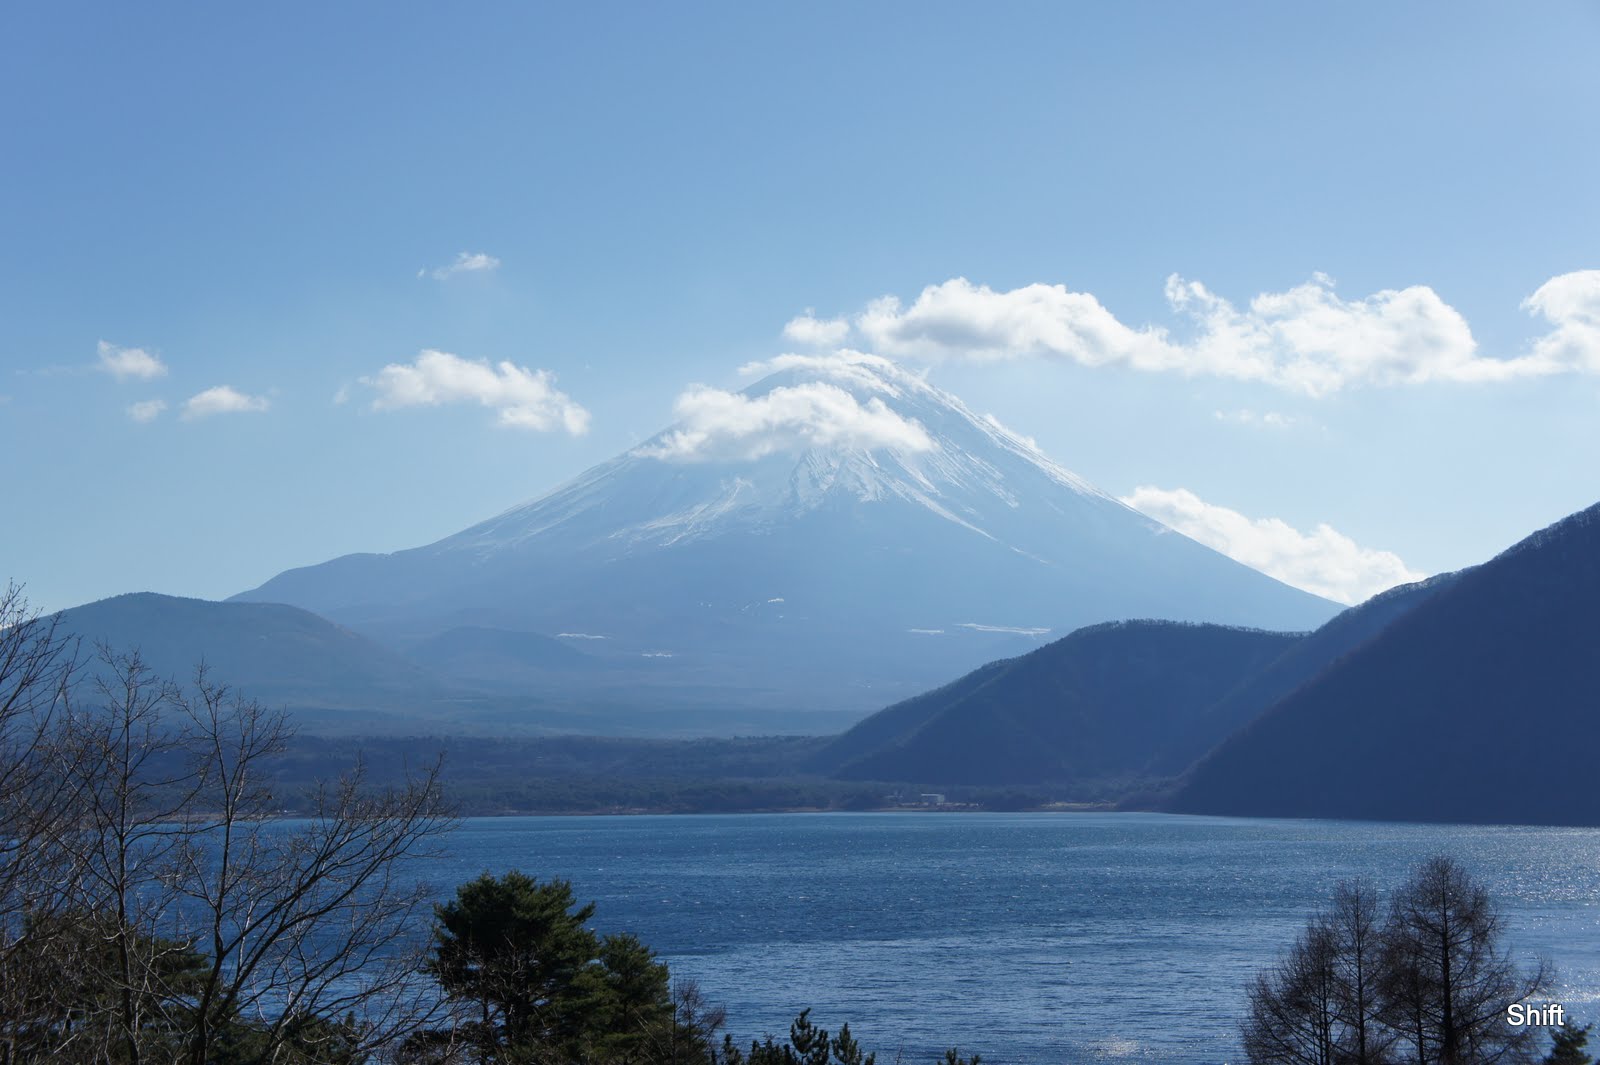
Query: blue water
1030, 938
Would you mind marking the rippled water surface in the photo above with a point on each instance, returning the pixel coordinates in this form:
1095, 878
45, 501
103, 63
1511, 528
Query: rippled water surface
1027, 937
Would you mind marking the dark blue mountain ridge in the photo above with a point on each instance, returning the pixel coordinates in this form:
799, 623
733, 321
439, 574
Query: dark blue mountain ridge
1092, 706
1123, 701
1482, 703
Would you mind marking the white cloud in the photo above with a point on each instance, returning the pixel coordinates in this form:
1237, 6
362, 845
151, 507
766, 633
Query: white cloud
124, 363
716, 424
1324, 562
1571, 302
223, 399
147, 411
520, 397
1308, 339
466, 262
958, 319
817, 332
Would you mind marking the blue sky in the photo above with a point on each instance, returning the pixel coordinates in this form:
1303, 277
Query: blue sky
218, 226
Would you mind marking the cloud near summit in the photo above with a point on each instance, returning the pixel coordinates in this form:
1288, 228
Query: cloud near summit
1308, 339
720, 425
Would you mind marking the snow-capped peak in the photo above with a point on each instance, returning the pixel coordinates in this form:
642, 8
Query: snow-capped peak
849, 427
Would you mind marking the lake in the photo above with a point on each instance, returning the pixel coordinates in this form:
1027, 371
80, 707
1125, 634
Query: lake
1029, 938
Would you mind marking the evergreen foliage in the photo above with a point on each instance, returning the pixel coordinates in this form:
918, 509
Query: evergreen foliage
532, 983
1570, 1046
528, 983
810, 1044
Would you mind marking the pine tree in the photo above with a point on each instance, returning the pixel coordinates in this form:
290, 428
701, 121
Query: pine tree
1569, 1046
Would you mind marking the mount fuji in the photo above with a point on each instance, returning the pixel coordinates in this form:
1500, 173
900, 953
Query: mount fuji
840, 535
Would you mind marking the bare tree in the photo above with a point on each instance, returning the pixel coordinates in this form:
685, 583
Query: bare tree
38, 663
309, 920
696, 1020
1352, 923
1447, 979
1319, 1006
123, 757
1293, 1015
161, 910
1430, 985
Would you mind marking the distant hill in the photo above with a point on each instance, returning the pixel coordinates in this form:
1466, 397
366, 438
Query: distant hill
278, 654
247, 643
1094, 705
1482, 703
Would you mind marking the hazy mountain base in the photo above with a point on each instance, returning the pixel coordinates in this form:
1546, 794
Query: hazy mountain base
586, 774
336, 682
1403, 707
828, 576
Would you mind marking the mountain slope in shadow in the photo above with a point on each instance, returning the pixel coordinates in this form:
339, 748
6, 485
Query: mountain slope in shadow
1480, 704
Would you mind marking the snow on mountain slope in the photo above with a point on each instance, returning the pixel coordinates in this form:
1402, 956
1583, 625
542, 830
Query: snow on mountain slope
841, 533
658, 494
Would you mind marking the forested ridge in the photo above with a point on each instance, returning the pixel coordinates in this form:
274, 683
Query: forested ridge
1476, 705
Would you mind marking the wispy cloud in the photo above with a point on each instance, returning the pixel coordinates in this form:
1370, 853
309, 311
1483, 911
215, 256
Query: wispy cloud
1308, 339
520, 397
717, 424
466, 262
975, 627
1256, 419
1324, 561
147, 411
812, 331
129, 363
223, 399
